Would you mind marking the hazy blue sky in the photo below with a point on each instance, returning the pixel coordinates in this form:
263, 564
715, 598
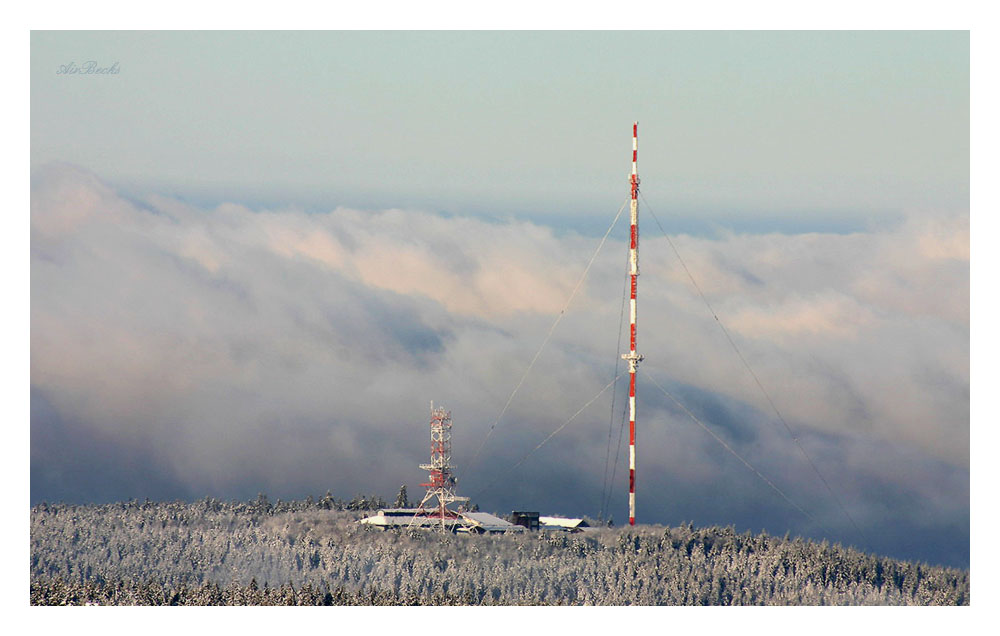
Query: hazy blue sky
256, 257
825, 128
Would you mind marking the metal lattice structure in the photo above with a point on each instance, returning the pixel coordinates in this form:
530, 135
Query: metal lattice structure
441, 482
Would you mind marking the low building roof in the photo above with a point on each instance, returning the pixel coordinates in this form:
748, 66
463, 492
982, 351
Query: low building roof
563, 522
482, 521
404, 517
488, 521
401, 512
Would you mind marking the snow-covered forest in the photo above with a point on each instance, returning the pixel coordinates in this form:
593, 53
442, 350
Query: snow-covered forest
311, 552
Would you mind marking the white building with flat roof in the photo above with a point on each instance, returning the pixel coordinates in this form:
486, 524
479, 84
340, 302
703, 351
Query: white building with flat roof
475, 522
562, 523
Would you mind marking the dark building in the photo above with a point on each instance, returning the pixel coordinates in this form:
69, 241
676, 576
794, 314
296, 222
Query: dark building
527, 519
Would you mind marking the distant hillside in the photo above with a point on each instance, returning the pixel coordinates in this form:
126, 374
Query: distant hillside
312, 553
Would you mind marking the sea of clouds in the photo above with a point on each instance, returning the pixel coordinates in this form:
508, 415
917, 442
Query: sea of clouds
179, 352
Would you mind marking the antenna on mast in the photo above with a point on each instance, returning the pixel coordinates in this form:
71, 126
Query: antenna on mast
632, 357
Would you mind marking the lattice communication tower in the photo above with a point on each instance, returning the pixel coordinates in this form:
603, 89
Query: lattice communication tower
441, 482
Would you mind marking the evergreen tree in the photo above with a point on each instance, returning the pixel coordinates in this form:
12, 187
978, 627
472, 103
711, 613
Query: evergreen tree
402, 501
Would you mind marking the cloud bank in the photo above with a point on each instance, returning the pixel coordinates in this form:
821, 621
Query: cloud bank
183, 352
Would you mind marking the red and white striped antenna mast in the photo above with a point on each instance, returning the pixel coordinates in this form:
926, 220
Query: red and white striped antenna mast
632, 357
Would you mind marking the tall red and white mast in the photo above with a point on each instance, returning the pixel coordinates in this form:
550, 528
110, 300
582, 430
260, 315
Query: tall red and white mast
632, 357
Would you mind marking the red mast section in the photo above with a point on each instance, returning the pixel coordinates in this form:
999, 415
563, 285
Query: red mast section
632, 357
